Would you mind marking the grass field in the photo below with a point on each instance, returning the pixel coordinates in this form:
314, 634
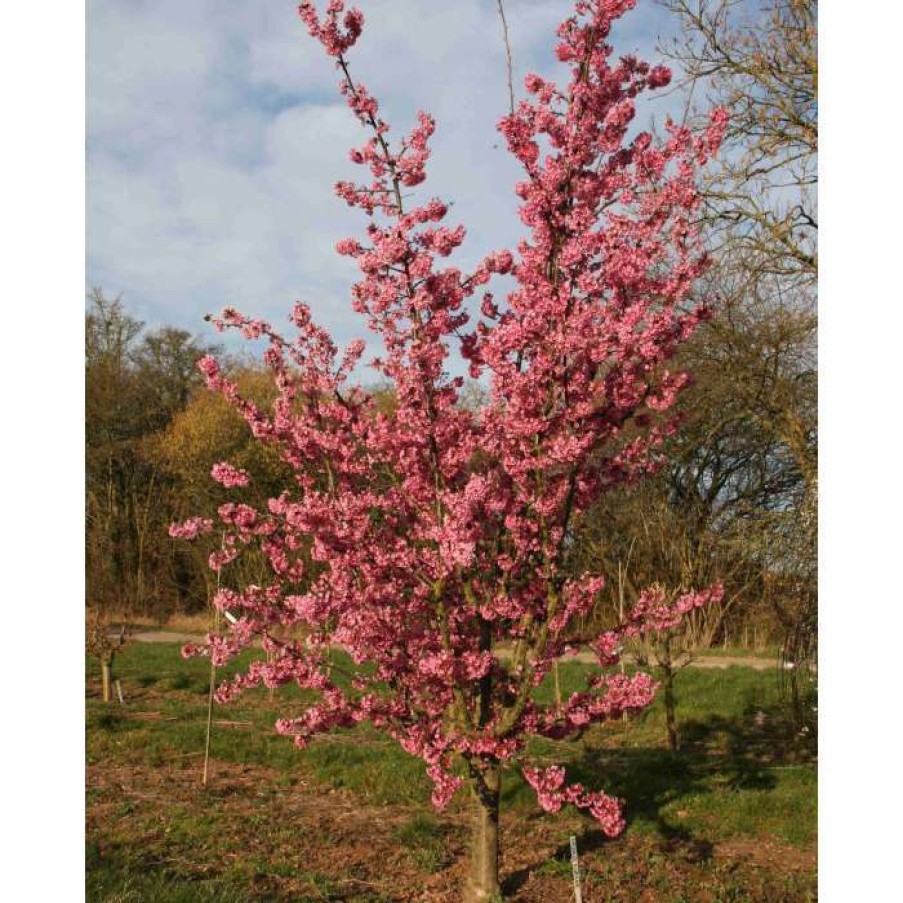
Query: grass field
729, 819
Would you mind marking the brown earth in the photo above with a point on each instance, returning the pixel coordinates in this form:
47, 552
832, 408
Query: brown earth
279, 839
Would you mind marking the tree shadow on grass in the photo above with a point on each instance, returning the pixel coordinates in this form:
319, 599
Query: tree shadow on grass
734, 753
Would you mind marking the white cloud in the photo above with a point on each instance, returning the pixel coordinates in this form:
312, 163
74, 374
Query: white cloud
215, 134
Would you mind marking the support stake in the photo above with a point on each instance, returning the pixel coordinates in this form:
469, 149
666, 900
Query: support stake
575, 865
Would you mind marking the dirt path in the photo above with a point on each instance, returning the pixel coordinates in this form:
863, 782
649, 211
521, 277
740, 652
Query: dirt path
703, 661
166, 636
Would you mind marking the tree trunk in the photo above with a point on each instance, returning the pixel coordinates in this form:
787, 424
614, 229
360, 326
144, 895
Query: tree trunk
483, 884
670, 707
105, 671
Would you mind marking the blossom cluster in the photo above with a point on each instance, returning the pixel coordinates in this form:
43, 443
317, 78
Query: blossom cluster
552, 793
228, 475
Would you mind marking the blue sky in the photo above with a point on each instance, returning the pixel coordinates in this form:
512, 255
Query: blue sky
215, 134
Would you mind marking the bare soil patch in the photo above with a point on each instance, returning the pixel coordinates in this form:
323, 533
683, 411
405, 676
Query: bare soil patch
307, 842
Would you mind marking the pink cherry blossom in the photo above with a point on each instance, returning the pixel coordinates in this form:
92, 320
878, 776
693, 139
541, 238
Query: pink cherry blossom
191, 528
228, 475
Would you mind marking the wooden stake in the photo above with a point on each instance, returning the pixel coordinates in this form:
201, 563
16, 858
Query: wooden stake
575, 867
105, 675
216, 627
209, 723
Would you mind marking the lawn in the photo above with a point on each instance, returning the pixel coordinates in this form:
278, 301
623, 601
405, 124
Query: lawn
731, 818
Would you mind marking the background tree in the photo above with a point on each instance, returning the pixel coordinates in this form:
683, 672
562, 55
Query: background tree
208, 430
110, 427
135, 383
104, 646
760, 60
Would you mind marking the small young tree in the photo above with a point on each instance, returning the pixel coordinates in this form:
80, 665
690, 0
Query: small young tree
421, 535
103, 646
671, 649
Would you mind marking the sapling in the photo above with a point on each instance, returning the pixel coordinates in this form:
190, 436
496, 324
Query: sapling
104, 646
669, 650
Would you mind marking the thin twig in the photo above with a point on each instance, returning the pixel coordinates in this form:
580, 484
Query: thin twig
216, 626
689, 102
507, 55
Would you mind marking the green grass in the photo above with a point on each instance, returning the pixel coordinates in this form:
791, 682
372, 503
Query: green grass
740, 774
423, 838
112, 886
372, 766
129, 885
721, 777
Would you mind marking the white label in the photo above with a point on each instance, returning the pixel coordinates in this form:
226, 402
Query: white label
575, 865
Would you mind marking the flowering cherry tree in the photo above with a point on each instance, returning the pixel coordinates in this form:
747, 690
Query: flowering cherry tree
421, 536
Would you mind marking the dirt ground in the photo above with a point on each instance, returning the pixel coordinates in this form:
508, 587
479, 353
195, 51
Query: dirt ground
279, 842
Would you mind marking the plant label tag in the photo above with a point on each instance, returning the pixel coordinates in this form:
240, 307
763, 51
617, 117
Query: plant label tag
575, 865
